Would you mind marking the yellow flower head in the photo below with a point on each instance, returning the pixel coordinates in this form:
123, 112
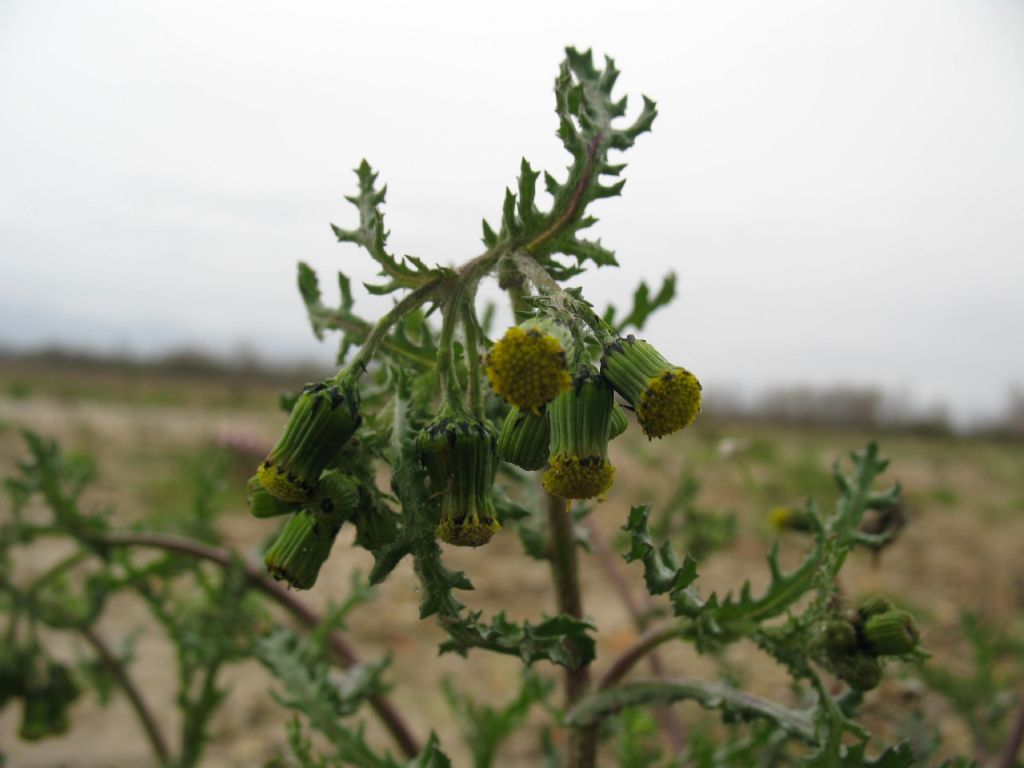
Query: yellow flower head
665, 396
458, 452
580, 419
527, 366
578, 477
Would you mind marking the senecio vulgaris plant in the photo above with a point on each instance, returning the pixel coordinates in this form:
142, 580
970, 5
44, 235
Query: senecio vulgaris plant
480, 438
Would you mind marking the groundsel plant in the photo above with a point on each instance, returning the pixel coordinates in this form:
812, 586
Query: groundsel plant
481, 438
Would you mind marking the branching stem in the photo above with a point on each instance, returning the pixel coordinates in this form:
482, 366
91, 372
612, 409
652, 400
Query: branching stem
142, 711
644, 645
344, 654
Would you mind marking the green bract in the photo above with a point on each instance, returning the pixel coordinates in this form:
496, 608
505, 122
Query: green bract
324, 417
301, 548
459, 453
262, 503
524, 439
892, 633
580, 418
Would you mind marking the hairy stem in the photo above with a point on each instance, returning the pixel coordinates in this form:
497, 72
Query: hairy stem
142, 710
410, 303
343, 653
565, 573
469, 327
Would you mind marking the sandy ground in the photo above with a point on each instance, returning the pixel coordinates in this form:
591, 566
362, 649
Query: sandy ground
960, 550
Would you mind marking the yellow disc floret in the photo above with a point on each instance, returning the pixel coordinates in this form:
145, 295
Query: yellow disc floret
665, 396
527, 367
670, 402
472, 531
281, 483
578, 477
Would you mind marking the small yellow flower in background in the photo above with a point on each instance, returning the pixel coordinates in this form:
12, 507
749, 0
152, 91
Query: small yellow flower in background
790, 519
528, 365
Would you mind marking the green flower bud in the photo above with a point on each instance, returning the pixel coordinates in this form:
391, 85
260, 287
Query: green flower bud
580, 418
892, 633
839, 638
619, 422
666, 397
324, 417
870, 606
459, 453
524, 439
262, 503
336, 497
47, 701
528, 366
860, 671
376, 525
302, 548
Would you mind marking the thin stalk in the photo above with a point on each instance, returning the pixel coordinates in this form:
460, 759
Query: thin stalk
451, 390
343, 653
142, 710
469, 328
565, 573
380, 331
646, 643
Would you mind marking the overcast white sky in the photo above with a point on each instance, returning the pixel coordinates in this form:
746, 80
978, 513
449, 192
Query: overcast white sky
840, 185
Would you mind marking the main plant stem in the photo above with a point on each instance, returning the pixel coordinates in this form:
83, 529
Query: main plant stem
582, 752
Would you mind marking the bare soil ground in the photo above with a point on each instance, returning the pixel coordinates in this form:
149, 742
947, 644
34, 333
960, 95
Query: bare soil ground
960, 550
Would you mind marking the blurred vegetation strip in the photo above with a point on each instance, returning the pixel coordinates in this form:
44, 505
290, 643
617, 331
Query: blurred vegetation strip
109, 660
1013, 744
670, 722
739, 704
340, 648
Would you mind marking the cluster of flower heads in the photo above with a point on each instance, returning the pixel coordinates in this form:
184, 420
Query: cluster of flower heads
564, 413
292, 480
855, 644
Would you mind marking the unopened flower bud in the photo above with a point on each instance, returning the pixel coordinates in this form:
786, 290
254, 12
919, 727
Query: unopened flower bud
666, 397
840, 638
324, 417
302, 548
262, 503
459, 453
861, 671
892, 633
336, 497
524, 439
872, 605
528, 366
619, 422
580, 418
